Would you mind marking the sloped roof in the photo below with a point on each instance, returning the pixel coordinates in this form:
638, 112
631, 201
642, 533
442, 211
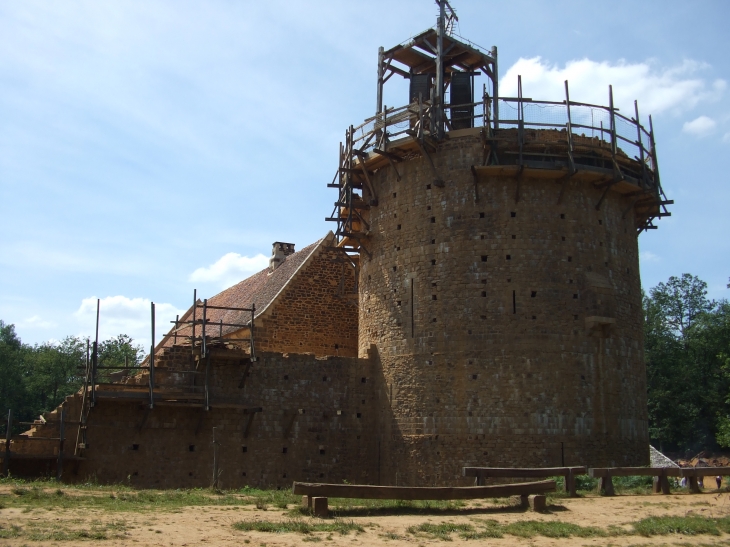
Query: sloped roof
260, 290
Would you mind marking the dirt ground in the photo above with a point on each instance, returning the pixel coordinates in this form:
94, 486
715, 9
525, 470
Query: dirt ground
213, 525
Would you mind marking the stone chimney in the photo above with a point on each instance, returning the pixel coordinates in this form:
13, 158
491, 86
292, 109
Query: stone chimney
279, 253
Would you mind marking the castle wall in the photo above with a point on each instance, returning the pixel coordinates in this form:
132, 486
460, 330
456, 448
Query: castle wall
479, 312
316, 425
317, 313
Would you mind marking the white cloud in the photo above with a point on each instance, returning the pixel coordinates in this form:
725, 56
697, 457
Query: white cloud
726, 137
36, 322
648, 256
700, 126
657, 89
230, 269
122, 315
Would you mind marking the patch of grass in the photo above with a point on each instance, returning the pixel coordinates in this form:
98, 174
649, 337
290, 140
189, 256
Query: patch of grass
552, 529
69, 531
441, 531
690, 526
9, 532
299, 526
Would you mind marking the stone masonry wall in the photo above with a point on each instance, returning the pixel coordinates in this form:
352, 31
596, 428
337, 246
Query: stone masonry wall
316, 425
317, 313
477, 314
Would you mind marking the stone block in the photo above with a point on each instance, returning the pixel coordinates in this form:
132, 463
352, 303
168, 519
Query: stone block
319, 506
537, 502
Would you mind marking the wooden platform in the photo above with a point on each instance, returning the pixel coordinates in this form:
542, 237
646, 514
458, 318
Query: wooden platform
483, 473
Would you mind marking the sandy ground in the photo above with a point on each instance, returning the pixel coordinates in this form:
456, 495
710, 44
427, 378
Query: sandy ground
213, 525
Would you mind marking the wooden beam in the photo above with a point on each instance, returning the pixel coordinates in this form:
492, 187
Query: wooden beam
520, 472
421, 493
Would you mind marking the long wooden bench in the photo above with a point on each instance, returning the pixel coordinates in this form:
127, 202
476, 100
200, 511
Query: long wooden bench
661, 476
483, 473
317, 493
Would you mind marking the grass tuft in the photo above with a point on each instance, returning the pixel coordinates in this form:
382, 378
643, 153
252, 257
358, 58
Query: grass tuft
298, 526
690, 526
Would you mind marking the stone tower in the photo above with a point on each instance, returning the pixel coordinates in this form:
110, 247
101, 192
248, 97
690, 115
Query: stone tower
499, 288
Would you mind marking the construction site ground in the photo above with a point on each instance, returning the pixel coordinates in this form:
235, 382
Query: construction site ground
46, 513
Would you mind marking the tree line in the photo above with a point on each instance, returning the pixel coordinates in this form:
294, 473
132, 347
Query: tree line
36, 378
687, 353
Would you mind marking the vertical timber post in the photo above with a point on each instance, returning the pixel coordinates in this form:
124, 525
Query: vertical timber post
204, 355
214, 484
8, 436
152, 358
381, 75
641, 145
439, 96
95, 356
495, 89
81, 433
195, 307
61, 439
253, 348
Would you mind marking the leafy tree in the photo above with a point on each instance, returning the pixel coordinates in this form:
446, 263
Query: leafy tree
685, 336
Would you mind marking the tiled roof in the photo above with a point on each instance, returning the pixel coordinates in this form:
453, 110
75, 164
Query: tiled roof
261, 290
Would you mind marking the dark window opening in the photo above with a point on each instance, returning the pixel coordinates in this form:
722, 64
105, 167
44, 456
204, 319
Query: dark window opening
562, 215
514, 236
534, 317
428, 207
324, 378
433, 220
484, 258
433, 242
394, 194
473, 376
286, 376
191, 448
433, 297
397, 302
533, 294
514, 301
398, 227
359, 415
284, 450
482, 316
509, 257
395, 268
575, 295
481, 215
135, 447
284, 476
363, 380
321, 451
563, 238
243, 474
337, 346
321, 475
433, 262
244, 449
513, 214
570, 259
484, 294
575, 318
428, 187
433, 320
600, 222
190, 474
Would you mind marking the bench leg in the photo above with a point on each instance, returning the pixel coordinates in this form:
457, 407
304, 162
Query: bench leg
664, 485
606, 485
537, 502
694, 487
307, 503
570, 484
320, 507
524, 501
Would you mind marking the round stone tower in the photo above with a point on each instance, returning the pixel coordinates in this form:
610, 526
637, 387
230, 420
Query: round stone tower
499, 293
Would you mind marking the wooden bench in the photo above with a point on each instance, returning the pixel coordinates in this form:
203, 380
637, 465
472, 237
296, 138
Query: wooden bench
483, 473
316, 494
693, 473
661, 476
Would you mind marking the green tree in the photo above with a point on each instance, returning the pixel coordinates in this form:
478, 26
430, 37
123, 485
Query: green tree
685, 336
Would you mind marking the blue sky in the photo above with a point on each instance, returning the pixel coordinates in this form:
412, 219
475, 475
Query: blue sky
149, 148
